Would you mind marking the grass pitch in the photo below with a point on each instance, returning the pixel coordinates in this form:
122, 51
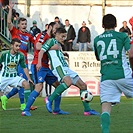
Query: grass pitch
41, 121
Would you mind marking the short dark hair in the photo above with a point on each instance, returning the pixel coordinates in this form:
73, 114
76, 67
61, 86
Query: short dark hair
60, 30
109, 21
21, 19
15, 40
66, 20
56, 17
51, 24
17, 14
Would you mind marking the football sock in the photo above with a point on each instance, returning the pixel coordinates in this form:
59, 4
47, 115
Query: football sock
58, 90
21, 95
85, 104
26, 94
12, 93
105, 122
57, 104
34, 94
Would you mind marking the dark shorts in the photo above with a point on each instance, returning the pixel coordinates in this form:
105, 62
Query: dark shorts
44, 74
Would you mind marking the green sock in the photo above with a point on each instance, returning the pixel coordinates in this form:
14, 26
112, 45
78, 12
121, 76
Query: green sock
26, 94
85, 104
58, 90
105, 121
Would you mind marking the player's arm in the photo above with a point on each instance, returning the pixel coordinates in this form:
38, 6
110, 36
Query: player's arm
9, 16
38, 45
131, 56
96, 53
45, 47
26, 71
40, 55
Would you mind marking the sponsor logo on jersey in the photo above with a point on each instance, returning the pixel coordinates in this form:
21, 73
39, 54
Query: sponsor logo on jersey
11, 65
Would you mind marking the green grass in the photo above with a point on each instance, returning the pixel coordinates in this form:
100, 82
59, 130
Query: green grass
41, 121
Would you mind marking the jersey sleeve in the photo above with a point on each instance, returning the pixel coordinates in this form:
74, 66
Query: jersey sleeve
22, 61
95, 50
48, 44
126, 42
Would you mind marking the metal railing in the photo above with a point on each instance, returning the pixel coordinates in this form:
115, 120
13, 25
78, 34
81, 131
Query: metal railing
5, 36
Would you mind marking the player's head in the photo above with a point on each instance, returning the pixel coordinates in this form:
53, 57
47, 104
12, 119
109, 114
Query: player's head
61, 35
22, 24
52, 27
109, 21
15, 45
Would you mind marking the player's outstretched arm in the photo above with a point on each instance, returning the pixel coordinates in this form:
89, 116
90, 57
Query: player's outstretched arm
9, 16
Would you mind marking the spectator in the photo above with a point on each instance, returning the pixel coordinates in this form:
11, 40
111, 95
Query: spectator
125, 27
70, 36
84, 38
57, 20
15, 19
46, 27
34, 30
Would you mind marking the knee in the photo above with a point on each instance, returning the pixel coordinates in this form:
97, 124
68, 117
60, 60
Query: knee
39, 87
83, 86
67, 80
25, 85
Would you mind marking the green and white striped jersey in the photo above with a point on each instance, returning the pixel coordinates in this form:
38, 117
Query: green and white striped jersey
11, 63
110, 48
56, 57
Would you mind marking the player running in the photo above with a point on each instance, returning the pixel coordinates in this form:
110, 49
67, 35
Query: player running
116, 75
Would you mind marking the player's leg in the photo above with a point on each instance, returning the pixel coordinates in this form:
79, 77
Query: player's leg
4, 84
9, 81
109, 93
38, 80
28, 91
32, 97
50, 89
23, 93
5, 98
82, 86
52, 79
105, 117
46, 89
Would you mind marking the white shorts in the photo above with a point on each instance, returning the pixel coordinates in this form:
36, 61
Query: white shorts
111, 90
61, 72
11, 81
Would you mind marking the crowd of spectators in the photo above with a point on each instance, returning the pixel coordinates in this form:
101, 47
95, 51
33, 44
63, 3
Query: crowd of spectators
83, 41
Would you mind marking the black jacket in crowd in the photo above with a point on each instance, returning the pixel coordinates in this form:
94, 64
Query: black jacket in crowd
71, 33
125, 29
85, 36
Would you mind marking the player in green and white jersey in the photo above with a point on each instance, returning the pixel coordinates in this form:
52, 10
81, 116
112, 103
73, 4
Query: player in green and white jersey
11, 59
116, 75
60, 68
